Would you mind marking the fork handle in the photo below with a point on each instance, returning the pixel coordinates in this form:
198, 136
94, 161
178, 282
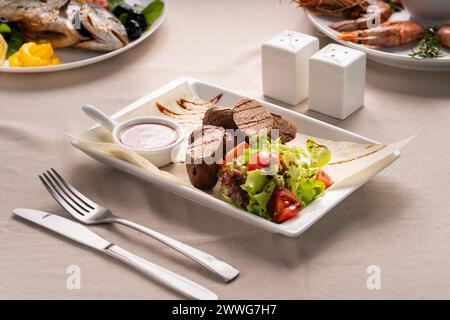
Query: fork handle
224, 270
166, 277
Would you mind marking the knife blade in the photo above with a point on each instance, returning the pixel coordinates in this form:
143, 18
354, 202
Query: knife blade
83, 235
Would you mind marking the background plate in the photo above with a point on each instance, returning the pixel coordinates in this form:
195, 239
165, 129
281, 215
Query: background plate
396, 57
72, 58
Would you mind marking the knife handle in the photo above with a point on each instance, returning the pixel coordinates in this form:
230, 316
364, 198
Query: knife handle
162, 275
219, 267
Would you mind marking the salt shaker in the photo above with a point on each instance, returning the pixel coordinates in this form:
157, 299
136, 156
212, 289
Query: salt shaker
337, 80
285, 66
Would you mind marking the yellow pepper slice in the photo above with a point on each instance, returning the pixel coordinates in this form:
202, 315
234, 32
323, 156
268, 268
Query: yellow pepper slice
55, 60
34, 55
3, 49
31, 57
14, 60
43, 51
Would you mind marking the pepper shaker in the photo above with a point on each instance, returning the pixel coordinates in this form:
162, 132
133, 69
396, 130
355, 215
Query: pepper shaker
337, 81
285, 60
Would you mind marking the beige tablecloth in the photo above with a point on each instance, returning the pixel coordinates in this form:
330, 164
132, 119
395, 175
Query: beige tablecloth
399, 221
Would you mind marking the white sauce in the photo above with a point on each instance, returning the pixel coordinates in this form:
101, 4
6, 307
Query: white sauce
148, 136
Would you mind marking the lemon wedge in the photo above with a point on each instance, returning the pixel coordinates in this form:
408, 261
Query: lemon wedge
3, 50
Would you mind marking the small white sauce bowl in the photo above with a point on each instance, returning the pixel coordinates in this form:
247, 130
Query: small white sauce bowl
160, 157
437, 11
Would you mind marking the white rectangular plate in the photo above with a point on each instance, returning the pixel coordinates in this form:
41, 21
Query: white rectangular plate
306, 125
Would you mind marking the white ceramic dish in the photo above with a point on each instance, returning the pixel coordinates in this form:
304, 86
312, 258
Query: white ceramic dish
160, 157
72, 58
396, 56
310, 126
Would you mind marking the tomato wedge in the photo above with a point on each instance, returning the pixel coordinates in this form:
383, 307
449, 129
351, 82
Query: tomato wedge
236, 152
325, 178
103, 3
283, 205
262, 159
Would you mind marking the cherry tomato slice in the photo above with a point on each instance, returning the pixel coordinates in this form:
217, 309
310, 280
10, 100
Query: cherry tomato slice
236, 152
283, 205
325, 178
262, 159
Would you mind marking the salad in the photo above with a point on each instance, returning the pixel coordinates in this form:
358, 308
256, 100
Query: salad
273, 180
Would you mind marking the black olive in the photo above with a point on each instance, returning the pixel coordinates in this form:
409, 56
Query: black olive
139, 17
3, 20
121, 9
134, 30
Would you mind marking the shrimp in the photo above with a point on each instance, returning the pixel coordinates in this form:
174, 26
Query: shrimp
388, 34
330, 7
444, 35
361, 14
370, 14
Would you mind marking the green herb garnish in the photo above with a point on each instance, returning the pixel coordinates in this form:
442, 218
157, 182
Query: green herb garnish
112, 4
429, 46
152, 12
13, 38
4, 28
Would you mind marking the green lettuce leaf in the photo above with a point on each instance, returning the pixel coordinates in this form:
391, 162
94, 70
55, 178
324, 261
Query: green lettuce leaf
255, 182
244, 158
152, 12
302, 169
224, 194
259, 187
259, 201
319, 155
307, 190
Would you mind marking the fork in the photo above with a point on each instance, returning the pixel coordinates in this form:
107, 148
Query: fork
89, 212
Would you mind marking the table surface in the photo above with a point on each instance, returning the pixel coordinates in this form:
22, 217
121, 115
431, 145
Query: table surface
399, 221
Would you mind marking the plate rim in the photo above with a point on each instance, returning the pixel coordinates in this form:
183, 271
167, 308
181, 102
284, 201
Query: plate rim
206, 199
96, 59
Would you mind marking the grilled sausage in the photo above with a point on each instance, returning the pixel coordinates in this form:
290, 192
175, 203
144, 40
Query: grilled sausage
287, 130
203, 154
250, 117
219, 116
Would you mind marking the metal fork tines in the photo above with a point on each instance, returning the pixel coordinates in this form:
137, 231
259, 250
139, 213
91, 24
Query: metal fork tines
89, 212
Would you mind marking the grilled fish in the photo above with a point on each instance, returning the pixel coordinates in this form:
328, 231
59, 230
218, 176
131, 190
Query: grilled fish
66, 23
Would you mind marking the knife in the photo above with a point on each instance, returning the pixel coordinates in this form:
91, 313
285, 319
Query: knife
83, 235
